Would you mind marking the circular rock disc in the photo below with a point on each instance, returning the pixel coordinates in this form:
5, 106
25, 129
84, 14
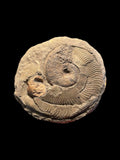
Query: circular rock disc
60, 80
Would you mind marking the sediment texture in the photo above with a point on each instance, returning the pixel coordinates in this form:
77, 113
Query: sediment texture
60, 80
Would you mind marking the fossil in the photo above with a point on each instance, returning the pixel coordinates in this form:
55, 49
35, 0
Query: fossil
60, 80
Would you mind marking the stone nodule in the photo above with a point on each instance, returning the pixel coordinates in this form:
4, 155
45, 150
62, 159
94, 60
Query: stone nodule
61, 80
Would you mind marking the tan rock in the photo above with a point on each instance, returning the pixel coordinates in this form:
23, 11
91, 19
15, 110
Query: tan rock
60, 80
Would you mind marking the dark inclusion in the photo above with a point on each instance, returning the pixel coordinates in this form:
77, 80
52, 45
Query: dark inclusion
37, 79
66, 70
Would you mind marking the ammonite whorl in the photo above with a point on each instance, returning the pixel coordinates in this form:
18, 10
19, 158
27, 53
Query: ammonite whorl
60, 80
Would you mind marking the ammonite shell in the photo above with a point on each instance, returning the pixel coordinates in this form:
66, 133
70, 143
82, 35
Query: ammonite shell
60, 80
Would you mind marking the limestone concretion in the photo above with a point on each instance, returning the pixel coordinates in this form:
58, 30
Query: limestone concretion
60, 80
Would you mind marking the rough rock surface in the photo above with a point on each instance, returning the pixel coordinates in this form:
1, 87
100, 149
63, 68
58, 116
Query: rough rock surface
60, 80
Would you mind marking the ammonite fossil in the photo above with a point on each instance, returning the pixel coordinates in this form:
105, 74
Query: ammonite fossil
60, 80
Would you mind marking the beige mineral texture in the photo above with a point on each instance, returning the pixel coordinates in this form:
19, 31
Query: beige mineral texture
60, 80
